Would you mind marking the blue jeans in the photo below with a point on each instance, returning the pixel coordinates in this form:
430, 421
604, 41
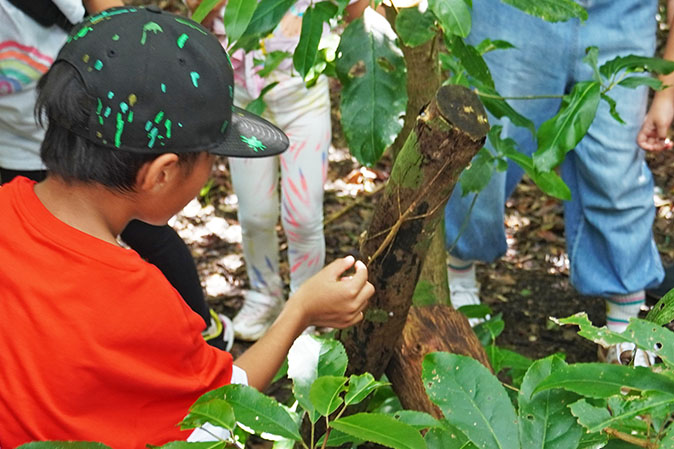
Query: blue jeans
608, 221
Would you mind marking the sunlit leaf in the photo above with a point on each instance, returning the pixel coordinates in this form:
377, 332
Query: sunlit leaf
374, 93
312, 29
545, 419
266, 17
380, 429
663, 311
454, 16
415, 27
205, 7
561, 133
551, 10
599, 380
472, 399
259, 412
634, 63
325, 393
237, 17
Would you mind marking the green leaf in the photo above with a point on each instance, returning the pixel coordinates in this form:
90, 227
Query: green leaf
237, 17
488, 45
472, 399
545, 419
667, 441
338, 439
272, 61
216, 411
415, 27
360, 387
645, 334
259, 412
325, 394
418, 420
63, 445
561, 133
599, 380
663, 312
596, 418
447, 438
471, 60
380, 429
374, 86
490, 329
478, 173
258, 105
633, 63
633, 82
454, 16
501, 358
591, 58
550, 183
266, 17
593, 441
475, 310
312, 29
500, 108
205, 7
551, 10
613, 108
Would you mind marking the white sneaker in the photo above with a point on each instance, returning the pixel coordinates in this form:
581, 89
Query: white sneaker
258, 313
464, 292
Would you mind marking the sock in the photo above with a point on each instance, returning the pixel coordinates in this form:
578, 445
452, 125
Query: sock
461, 271
620, 308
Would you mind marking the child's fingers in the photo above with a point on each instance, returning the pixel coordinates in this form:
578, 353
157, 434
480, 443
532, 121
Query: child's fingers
339, 266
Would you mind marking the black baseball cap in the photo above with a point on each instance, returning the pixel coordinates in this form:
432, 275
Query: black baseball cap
162, 84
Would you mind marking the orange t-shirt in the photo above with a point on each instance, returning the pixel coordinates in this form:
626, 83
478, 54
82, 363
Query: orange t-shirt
95, 344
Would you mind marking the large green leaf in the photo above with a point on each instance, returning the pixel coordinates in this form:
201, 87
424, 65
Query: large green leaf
550, 10
596, 418
312, 29
203, 9
663, 312
545, 419
380, 429
478, 173
415, 27
633, 63
374, 86
216, 411
599, 380
453, 15
267, 15
63, 445
325, 393
561, 133
259, 412
471, 399
645, 334
471, 60
237, 17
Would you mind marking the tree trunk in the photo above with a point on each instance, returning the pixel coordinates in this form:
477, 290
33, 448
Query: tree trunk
447, 134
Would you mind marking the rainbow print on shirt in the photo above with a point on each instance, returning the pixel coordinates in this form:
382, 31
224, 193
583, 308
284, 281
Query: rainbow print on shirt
20, 65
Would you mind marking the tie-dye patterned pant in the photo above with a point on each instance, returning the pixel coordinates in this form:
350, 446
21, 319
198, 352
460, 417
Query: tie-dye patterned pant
304, 114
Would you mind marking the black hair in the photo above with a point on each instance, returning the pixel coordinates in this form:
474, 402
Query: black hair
64, 102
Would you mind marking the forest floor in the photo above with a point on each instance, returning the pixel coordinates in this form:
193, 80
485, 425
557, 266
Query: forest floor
528, 285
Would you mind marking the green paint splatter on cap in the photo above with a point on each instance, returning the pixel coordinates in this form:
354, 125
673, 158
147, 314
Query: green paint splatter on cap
98, 65
231, 92
130, 118
106, 114
253, 143
123, 107
111, 94
153, 136
224, 126
132, 99
81, 33
159, 116
115, 37
182, 39
99, 108
150, 27
195, 78
163, 87
190, 24
120, 128
85, 58
167, 124
148, 126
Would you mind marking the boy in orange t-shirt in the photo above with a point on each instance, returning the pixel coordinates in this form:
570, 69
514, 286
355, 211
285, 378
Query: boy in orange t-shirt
96, 344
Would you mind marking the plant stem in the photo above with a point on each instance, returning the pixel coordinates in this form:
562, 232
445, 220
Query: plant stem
631, 439
325, 438
524, 97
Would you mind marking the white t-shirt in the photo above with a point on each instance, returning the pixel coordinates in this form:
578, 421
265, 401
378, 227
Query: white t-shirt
26, 52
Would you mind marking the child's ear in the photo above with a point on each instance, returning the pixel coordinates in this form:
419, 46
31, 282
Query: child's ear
158, 172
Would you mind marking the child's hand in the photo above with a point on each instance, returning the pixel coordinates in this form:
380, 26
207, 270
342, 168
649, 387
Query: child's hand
653, 133
328, 299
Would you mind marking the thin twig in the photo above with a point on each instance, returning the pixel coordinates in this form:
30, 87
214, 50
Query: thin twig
631, 439
348, 207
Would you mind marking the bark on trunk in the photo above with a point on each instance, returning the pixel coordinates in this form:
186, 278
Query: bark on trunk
447, 134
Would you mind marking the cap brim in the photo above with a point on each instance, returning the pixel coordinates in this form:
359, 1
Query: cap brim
249, 135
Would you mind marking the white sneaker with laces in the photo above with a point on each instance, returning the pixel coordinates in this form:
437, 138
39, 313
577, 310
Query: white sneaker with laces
258, 313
